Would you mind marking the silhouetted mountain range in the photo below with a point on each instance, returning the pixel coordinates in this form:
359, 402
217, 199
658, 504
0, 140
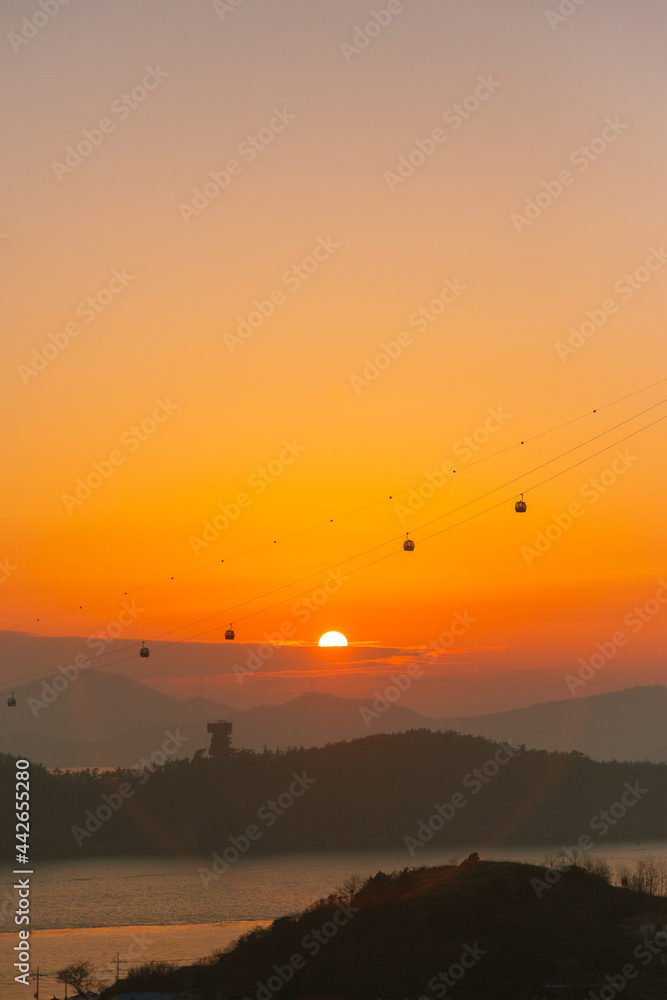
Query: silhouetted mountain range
105, 719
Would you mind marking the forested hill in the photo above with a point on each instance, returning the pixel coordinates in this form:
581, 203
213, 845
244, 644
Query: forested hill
401, 790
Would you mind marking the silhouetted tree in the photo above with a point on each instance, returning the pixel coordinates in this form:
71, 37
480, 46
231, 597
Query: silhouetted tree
78, 975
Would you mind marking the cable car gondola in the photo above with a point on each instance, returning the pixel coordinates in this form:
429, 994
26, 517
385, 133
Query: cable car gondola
11, 701
408, 544
520, 506
229, 634
144, 651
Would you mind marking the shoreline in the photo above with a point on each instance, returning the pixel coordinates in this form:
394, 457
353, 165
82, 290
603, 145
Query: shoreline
132, 944
128, 928
287, 852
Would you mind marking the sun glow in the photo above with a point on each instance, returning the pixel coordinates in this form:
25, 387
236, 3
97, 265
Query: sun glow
333, 639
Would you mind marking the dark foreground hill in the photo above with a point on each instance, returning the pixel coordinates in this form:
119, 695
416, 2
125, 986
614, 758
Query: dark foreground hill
404, 791
479, 931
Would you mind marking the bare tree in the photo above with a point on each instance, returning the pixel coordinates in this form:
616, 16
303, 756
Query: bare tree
646, 876
350, 887
596, 865
78, 975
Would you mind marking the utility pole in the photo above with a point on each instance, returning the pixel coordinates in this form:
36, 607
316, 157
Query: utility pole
37, 978
117, 966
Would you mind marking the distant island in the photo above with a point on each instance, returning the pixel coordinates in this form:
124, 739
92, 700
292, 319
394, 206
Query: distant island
404, 790
477, 931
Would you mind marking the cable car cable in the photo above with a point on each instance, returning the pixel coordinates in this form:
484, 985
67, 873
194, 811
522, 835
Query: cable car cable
356, 510
349, 559
374, 548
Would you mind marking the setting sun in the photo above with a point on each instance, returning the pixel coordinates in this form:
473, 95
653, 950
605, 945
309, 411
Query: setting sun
347, 312
333, 639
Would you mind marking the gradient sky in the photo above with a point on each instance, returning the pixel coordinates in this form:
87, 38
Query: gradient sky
390, 248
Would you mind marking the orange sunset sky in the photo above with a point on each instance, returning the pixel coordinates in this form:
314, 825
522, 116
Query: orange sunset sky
465, 183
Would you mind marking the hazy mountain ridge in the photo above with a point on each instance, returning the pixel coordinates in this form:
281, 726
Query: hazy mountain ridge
626, 725
106, 719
